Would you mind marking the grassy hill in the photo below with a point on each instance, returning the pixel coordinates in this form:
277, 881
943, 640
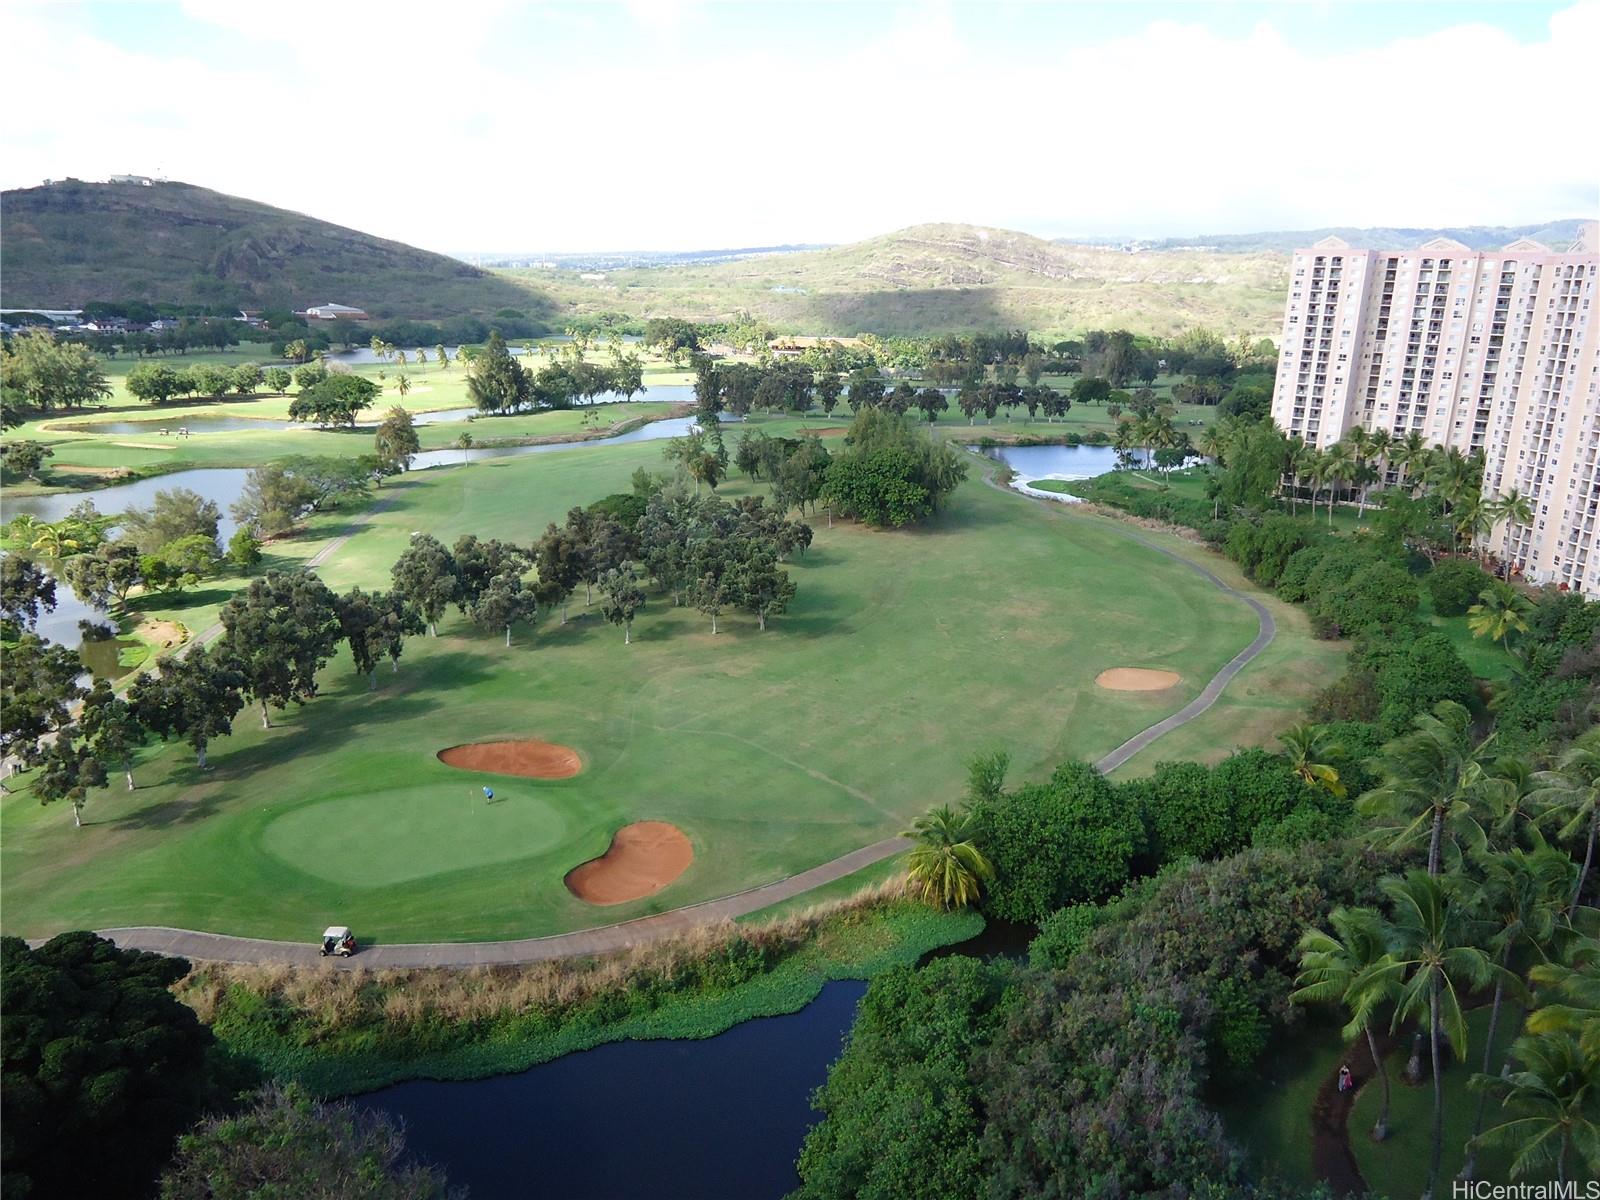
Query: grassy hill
949, 278
175, 243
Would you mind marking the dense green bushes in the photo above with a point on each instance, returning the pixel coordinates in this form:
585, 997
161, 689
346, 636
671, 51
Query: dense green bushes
1190, 810
103, 1068
1086, 1072
1454, 584
1081, 838
890, 474
1263, 544
903, 1115
1119, 491
1056, 843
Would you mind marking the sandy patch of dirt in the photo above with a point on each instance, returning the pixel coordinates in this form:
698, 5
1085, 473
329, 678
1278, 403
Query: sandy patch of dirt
644, 857
1136, 679
162, 634
528, 758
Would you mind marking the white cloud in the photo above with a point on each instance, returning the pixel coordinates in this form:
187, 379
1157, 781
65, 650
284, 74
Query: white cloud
455, 143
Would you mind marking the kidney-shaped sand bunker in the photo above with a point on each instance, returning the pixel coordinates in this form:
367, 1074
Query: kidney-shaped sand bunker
644, 857
526, 757
1136, 679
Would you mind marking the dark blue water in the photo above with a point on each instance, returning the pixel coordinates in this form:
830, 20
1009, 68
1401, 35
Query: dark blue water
668, 1120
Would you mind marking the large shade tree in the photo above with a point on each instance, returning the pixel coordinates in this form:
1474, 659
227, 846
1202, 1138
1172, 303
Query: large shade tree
104, 1067
279, 633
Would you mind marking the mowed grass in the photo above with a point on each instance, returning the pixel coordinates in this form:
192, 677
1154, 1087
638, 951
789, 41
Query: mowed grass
904, 654
80, 454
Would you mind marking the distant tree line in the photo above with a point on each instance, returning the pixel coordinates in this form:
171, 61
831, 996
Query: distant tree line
497, 383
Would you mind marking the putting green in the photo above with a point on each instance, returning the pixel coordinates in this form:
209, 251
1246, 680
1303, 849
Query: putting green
904, 654
375, 839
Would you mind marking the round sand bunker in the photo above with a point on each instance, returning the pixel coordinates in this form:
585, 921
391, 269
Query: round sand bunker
528, 758
644, 857
1136, 679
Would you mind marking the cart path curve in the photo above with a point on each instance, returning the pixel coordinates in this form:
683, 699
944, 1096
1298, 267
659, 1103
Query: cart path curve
608, 939
1267, 629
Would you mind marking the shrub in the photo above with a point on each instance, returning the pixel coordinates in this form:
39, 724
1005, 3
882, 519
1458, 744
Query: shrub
1063, 933
1454, 585
1414, 674
287, 1144
1378, 596
900, 1109
1262, 547
1068, 840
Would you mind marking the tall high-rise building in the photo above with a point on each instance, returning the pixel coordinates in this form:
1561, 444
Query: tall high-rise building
1487, 351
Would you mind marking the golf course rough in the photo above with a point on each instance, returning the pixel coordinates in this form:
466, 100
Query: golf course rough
751, 742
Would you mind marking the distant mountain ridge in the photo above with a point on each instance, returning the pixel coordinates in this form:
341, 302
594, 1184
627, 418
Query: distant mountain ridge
71, 242
1558, 235
949, 278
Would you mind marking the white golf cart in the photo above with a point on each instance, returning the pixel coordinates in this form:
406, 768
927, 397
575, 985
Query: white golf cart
337, 939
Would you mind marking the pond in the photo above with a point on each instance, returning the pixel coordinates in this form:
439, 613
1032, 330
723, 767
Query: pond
666, 1119
222, 486
360, 356
1062, 462
1071, 462
672, 1120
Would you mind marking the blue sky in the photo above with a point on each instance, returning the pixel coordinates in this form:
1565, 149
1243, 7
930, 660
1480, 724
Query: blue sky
491, 124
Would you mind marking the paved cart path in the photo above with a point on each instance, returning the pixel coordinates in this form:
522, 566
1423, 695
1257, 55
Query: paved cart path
607, 939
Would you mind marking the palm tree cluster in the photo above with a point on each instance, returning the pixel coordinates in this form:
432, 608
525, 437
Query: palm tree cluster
1149, 428
1497, 905
1365, 458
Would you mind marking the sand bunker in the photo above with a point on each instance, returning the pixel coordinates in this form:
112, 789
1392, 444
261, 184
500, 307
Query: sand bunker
529, 758
1136, 679
644, 858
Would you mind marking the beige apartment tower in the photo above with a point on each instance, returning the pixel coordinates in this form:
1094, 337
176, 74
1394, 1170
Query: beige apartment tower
1491, 351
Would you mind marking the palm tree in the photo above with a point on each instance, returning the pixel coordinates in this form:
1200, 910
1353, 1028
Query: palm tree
1512, 811
422, 357
1306, 747
945, 867
464, 444
402, 384
1338, 466
56, 541
1570, 794
1351, 965
1434, 956
1522, 893
1363, 477
1316, 472
1575, 986
1380, 444
1359, 442
1513, 507
1432, 778
1411, 454
1297, 456
444, 359
1501, 611
1556, 1089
